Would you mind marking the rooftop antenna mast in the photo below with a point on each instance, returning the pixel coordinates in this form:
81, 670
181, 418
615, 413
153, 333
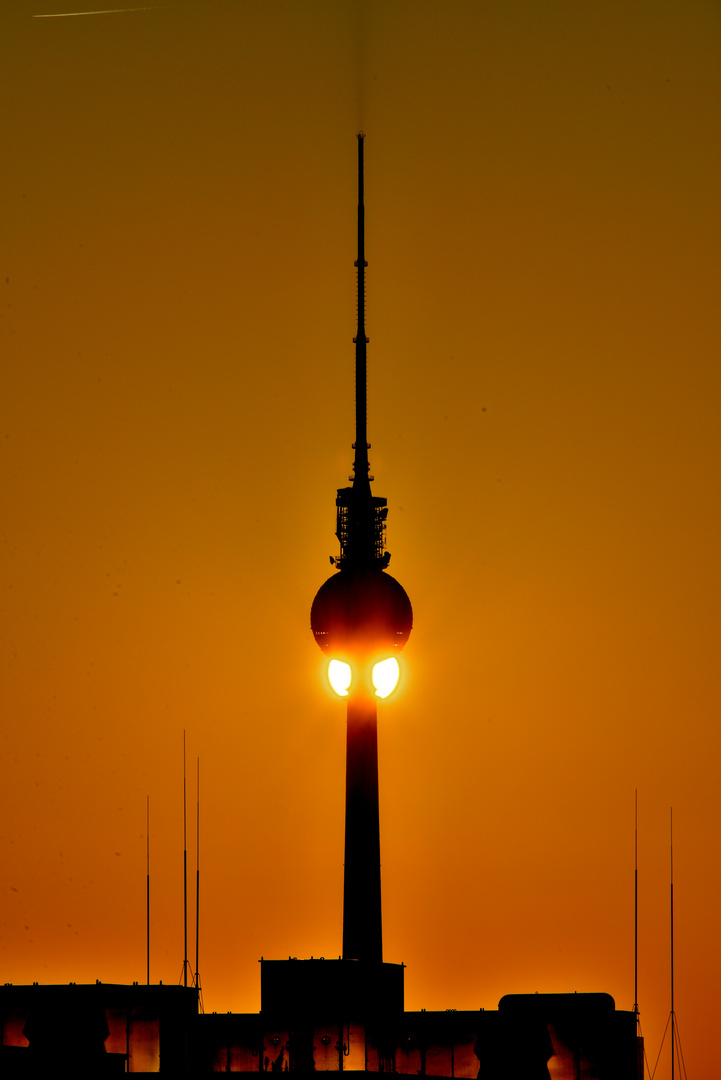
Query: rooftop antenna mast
676, 1051
635, 918
197, 891
640, 1045
185, 876
147, 887
673, 1011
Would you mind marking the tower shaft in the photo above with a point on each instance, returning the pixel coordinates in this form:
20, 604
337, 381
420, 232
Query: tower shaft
362, 922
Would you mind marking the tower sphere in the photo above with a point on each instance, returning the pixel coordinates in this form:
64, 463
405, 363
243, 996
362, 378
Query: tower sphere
357, 612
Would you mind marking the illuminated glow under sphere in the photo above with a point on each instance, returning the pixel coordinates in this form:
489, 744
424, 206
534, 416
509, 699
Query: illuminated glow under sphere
339, 676
385, 676
361, 611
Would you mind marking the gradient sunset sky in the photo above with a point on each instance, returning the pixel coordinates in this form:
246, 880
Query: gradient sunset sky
543, 237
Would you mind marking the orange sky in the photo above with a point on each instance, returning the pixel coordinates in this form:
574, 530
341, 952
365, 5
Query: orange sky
543, 227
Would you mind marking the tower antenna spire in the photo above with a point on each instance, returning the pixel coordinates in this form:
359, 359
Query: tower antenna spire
361, 467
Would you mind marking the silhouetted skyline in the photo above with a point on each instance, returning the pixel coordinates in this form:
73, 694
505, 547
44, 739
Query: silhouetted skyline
177, 402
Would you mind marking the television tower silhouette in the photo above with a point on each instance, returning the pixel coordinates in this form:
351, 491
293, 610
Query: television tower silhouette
361, 615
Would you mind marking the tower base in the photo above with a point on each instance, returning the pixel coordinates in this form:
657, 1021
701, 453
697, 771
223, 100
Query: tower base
330, 988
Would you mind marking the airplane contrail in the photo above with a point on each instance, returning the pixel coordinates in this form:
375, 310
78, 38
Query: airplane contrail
105, 11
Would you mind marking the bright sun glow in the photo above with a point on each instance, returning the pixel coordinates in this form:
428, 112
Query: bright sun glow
339, 675
385, 676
